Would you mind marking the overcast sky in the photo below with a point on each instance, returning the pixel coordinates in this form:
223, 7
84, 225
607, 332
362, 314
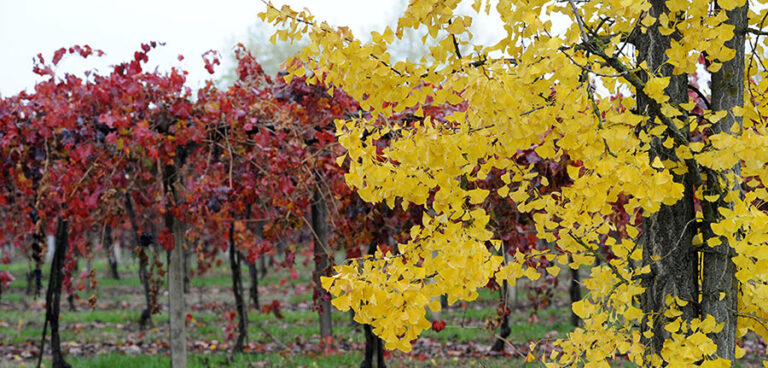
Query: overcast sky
189, 27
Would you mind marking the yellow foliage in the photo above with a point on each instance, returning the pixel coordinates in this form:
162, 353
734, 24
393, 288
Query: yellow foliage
530, 89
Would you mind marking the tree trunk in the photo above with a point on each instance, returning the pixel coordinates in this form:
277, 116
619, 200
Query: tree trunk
34, 281
253, 271
668, 233
141, 242
514, 301
237, 288
253, 291
504, 329
719, 271
178, 338
109, 246
53, 299
35, 277
88, 269
373, 344
322, 263
504, 309
443, 301
263, 265
71, 302
575, 292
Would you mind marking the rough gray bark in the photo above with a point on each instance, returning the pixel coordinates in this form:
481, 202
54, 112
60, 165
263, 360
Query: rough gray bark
322, 262
178, 340
237, 289
719, 270
668, 233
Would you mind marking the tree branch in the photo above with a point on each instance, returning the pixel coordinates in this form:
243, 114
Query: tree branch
579, 21
754, 31
701, 96
629, 76
455, 42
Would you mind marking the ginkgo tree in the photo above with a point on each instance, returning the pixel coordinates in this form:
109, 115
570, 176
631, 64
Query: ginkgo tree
689, 279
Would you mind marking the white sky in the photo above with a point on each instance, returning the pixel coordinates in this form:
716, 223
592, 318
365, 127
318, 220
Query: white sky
190, 27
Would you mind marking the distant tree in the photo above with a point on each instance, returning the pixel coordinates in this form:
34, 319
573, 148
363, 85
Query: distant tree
268, 55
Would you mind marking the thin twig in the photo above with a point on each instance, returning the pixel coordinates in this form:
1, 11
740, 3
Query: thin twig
629, 36
579, 21
632, 78
759, 60
701, 95
317, 237
42, 342
755, 31
752, 317
585, 68
304, 21
455, 42
596, 253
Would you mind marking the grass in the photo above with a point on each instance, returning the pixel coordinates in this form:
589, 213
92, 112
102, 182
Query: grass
302, 323
216, 360
279, 360
81, 316
113, 322
120, 303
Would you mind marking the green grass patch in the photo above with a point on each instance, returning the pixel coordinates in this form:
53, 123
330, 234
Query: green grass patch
218, 360
345, 360
81, 316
